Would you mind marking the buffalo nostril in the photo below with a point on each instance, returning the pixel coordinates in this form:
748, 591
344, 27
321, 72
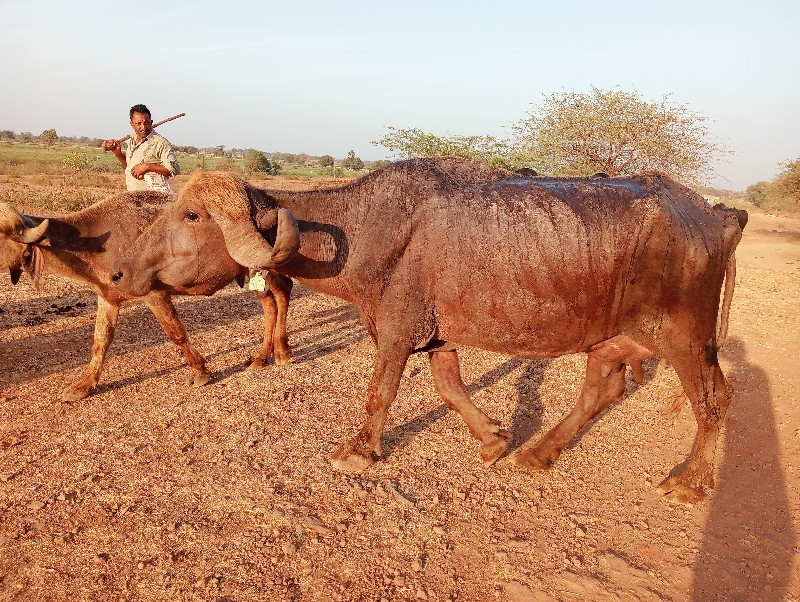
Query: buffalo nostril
116, 276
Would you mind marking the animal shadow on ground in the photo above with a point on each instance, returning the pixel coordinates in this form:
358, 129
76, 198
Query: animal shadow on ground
137, 329
48, 309
313, 344
749, 539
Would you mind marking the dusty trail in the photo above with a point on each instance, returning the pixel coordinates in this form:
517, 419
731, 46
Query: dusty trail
149, 491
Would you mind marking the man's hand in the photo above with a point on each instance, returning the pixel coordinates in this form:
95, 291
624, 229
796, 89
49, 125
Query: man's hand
138, 171
111, 145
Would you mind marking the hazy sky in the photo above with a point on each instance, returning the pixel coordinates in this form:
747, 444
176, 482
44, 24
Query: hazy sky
327, 77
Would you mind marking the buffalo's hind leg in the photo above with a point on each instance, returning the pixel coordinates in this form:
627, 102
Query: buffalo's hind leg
447, 376
705, 386
604, 384
164, 311
104, 327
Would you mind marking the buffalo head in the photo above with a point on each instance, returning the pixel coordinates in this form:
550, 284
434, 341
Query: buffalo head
208, 233
17, 232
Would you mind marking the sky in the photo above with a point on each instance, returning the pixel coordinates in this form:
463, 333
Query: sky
329, 77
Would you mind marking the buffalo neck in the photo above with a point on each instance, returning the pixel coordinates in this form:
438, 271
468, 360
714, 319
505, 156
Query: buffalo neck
328, 220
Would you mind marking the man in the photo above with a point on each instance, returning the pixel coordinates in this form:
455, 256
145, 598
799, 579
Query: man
149, 160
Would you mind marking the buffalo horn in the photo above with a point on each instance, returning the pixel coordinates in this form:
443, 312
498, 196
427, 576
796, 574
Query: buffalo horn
249, 248
33, 234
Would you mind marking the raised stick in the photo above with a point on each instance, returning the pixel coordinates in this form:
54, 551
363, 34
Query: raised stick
155, 125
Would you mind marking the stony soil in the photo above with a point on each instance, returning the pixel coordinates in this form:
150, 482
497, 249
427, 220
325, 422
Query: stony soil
149, 490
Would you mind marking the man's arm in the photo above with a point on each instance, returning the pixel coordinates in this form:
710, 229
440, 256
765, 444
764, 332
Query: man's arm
116, 148
168, 166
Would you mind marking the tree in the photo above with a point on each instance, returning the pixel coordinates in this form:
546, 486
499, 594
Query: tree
616, 132
26, 137
788, 181
48, 137
414, 142
352, 162
256, 162
326, 161
7, 134
758, 193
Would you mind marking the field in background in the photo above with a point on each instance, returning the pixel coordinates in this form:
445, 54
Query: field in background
68, 178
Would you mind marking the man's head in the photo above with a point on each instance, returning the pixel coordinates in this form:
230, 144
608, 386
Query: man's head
141, 122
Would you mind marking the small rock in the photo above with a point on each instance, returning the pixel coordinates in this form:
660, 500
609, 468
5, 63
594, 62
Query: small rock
36, 505
421, 594
315, 524
439, 530
580, 531
416, 566
289, 548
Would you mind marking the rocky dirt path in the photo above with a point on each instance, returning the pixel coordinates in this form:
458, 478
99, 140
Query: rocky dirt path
148, 490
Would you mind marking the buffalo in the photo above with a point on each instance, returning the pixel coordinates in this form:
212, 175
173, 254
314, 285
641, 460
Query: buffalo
440, 253
84, 245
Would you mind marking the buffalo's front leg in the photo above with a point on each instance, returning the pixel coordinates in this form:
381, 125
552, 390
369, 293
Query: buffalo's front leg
104, 327
447, 376
164, 311
604, 384
358, 453
275, 304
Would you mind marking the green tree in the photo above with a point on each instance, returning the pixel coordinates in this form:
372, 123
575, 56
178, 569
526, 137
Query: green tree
758, 193
48, 138
788, 181
7, 134
616, 132
256, 162
326, 161
26, 137
352, 162
414, 142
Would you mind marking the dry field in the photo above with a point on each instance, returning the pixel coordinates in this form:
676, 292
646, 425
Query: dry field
149, 490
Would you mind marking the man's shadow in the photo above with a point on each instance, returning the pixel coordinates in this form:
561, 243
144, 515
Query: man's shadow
748, 543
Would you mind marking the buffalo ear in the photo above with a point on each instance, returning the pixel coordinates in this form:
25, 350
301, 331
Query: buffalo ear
15, 272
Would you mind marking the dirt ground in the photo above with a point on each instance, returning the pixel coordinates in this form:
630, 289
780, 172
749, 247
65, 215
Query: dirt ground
149, 490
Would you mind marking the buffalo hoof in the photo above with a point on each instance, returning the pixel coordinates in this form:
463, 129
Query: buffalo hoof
198, 380
528, 460
283, 359
71, 394
677, 492
257, 363
491, 452
347, 459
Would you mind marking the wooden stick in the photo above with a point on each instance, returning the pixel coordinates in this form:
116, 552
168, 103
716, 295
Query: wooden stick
155, 125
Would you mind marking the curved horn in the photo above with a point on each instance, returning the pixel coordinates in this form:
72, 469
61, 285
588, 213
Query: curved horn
249, 248
227, 200
33, 234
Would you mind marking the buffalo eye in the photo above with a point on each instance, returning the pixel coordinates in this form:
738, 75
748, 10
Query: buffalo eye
191, 216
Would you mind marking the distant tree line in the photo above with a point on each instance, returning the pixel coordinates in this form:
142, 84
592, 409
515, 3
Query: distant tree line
782, 193
270, 163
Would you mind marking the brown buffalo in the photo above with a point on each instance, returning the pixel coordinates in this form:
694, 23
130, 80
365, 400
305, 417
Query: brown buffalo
443, 252
84, 245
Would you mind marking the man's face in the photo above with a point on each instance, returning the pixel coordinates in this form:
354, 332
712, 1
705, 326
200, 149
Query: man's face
142, 125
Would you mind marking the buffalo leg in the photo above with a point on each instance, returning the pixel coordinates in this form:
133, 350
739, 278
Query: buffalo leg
164, 311
275, 305
705, 386
604, 384
104, 326
447, 376
358, 453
